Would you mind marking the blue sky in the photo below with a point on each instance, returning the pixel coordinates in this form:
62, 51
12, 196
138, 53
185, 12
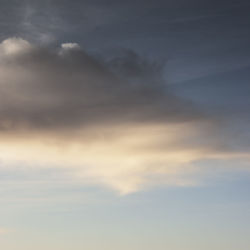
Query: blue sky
214, 215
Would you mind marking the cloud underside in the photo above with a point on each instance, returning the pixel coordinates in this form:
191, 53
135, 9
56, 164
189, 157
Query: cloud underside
113, 123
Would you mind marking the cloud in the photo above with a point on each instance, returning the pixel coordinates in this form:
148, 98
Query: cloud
44, 88
14, 47
112, 122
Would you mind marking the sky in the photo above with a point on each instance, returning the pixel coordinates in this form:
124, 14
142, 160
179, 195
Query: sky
124, 125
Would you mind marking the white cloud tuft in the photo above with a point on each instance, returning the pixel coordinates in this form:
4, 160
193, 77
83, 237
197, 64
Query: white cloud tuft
14, 46
70, 46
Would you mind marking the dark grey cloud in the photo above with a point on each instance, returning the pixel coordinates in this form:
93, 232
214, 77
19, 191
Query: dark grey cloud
51, 89
43, 88
47, 89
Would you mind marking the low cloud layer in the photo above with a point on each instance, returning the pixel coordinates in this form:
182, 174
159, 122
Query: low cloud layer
113, 122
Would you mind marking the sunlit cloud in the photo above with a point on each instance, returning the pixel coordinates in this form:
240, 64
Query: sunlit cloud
113, 123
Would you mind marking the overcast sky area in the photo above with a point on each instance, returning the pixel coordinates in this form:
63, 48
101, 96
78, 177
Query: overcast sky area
124, 124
